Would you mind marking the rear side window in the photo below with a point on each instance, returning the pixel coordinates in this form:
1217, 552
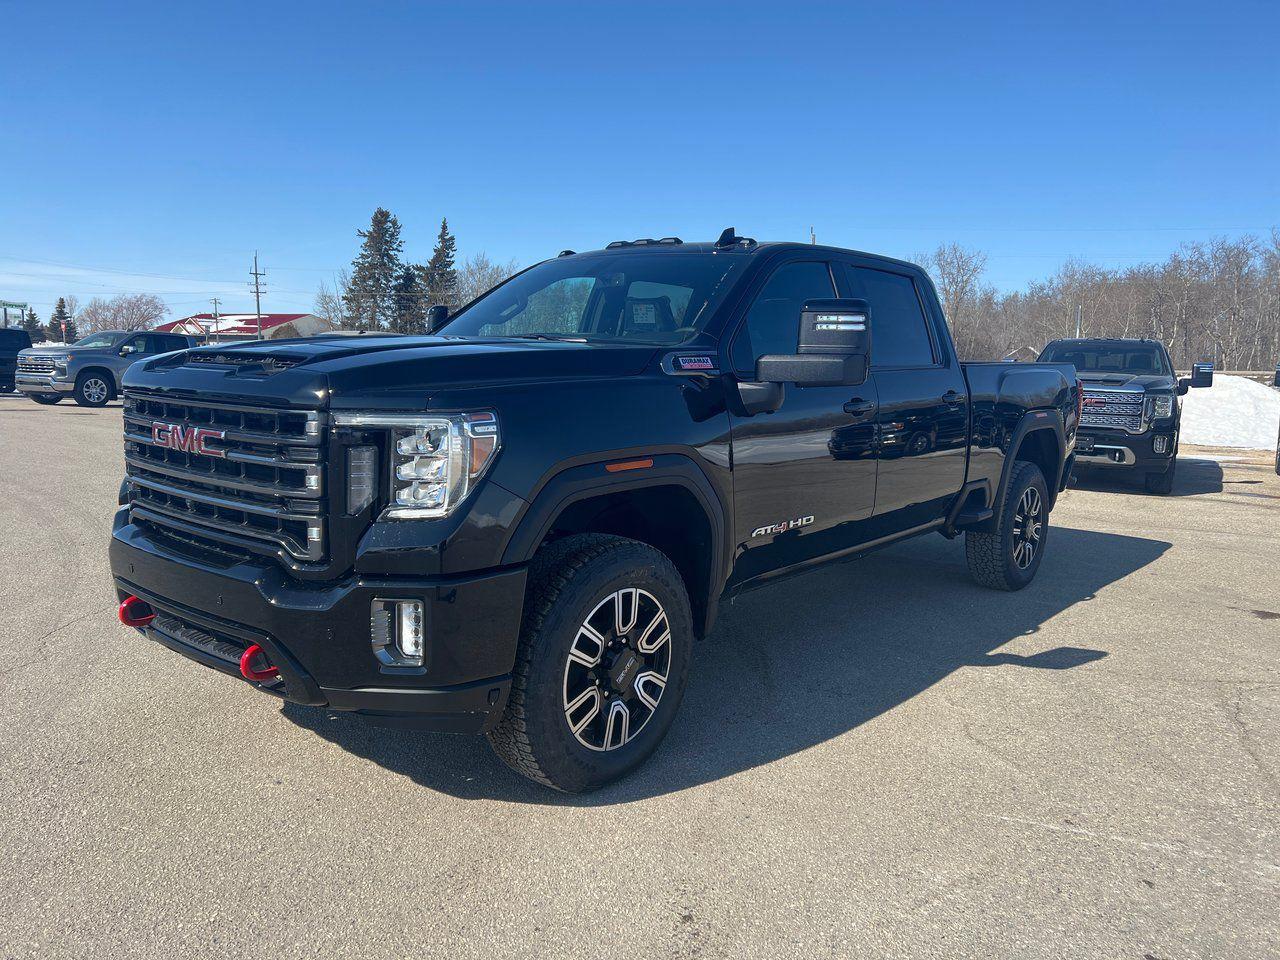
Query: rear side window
773, 322
899, 332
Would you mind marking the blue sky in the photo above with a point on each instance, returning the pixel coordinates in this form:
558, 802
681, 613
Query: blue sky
154, 147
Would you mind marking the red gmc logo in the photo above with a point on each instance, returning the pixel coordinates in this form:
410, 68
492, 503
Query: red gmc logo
188, 439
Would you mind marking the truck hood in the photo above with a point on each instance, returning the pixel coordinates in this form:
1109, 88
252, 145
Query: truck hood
385, 372
1129, 381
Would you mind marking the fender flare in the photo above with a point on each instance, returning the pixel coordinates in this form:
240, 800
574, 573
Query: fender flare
575, 482
1034, 421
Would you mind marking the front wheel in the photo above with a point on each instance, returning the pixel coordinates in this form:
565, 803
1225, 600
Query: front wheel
92, 390
1008, 558
602, 663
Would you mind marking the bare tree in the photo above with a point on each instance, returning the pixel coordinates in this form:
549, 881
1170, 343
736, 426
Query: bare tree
95, 316
137, 311
331, 301
478, 274
1218, 300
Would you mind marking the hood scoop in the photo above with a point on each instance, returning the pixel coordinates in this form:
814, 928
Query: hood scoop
244, 364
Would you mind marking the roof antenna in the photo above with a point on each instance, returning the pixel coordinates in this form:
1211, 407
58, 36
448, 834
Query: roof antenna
728, 238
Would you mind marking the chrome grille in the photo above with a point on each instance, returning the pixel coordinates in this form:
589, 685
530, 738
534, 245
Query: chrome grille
1118, 409
254, 481
41, 366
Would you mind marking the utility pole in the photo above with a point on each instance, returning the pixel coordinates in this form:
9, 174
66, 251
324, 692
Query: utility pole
214, 328
257, 290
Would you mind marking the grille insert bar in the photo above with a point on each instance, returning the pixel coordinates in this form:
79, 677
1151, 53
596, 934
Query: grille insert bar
260, 486
1117, 409
39, 365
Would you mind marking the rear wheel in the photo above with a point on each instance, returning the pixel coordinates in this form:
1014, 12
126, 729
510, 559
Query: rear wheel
602, 663
92, 390
48, 399
1008, 558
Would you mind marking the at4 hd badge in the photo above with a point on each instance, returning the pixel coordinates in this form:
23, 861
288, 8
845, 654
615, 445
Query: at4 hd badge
783, 527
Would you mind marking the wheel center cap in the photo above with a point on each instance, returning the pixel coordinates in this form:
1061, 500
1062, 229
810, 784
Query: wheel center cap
625, 667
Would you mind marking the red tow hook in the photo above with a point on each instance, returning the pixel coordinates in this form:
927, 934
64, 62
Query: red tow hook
251, 672
135, 612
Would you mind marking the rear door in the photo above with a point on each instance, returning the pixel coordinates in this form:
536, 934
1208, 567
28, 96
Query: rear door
805, 475
923, 416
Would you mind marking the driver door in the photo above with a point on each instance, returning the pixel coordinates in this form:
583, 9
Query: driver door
804, 476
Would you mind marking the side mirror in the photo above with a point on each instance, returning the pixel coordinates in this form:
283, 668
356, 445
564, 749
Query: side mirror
834, 347
127, 349
1202, 375
1184, 384
437, 315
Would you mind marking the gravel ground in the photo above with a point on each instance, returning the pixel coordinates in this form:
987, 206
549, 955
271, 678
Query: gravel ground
877, 759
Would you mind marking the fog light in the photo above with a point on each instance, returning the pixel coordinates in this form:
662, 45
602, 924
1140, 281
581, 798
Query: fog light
1161, 445
409, 630
397, 631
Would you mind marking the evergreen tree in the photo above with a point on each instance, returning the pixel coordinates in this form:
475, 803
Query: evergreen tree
370, 296
440, 273
72, 334
57, 320
411, 308
32, 325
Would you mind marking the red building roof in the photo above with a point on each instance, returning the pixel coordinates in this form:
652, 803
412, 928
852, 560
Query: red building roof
230, 324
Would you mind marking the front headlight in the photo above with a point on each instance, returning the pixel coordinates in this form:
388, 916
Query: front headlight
1161, 407
435, 460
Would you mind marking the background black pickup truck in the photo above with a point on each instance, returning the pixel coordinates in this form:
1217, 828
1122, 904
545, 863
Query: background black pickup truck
520, 525
13, 340
1131, 416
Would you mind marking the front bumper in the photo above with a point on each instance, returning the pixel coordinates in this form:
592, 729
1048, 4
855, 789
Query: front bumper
34, 383
1116, 448
317, 635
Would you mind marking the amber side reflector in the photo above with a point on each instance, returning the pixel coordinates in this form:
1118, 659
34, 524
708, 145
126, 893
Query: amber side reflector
629, 465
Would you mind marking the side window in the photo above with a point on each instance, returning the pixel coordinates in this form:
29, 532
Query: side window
773, 322
899, 331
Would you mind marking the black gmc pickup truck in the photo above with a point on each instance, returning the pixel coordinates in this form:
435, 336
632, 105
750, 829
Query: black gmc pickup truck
1131, 416
520, 524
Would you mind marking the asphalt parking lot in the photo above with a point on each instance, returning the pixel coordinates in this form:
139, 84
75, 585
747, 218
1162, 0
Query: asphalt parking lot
879, 758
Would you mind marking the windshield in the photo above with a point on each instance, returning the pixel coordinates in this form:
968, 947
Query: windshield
1136, 360
647, 297
98, 340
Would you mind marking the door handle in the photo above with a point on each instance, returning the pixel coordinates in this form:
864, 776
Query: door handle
952, 399
857, 407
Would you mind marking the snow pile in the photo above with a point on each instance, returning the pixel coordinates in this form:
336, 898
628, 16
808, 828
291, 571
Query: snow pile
1234, 412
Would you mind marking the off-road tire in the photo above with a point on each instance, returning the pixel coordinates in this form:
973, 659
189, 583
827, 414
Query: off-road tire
567, 580
1161, 484
45, 399
990, 556
93, 390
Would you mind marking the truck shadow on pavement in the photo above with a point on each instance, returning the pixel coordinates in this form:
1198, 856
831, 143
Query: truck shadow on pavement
791, 666
1195, 476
